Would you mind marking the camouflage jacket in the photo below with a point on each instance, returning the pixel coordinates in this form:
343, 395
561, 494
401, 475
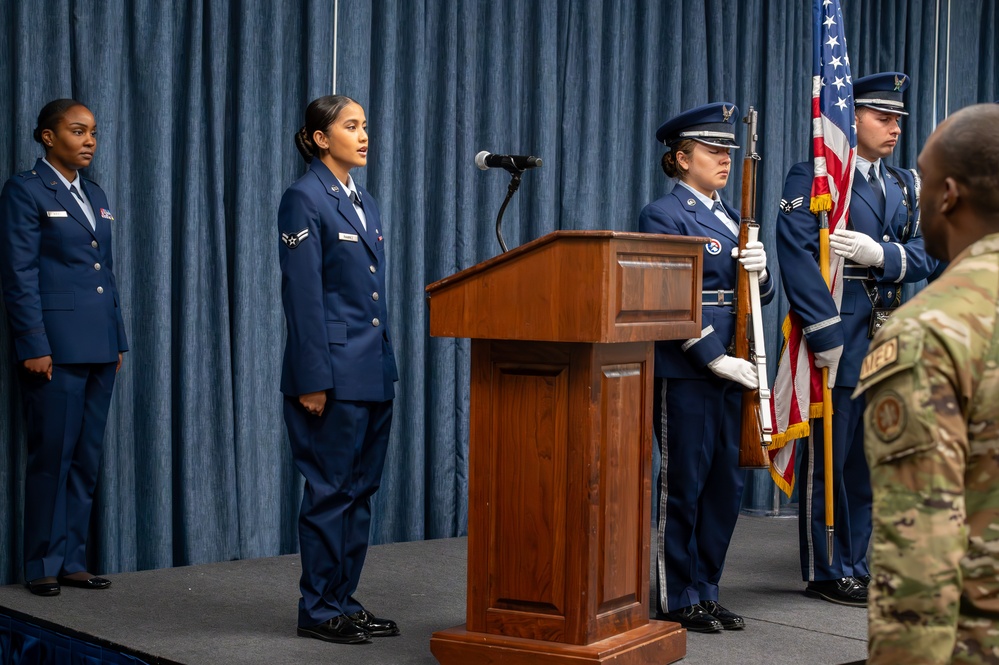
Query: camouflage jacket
932, 442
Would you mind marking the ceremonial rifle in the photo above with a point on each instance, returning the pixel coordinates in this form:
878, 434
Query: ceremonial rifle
757, 426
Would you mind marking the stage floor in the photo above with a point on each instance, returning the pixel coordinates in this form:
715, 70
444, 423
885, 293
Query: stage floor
245, 611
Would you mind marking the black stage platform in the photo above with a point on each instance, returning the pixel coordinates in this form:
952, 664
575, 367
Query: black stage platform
245, 611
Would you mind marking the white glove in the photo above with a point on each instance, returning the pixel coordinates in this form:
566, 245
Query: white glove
754, 259
830, 358
857, 246
735, 369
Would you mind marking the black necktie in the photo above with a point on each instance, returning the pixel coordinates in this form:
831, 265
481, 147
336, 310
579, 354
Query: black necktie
879, 195
356, 200
718, 207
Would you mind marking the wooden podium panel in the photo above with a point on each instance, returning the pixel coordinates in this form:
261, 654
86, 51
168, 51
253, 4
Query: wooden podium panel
577, 286
565, 517
560, 451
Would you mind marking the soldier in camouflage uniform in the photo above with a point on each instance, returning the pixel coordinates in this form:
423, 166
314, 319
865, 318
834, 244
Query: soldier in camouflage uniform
931, 378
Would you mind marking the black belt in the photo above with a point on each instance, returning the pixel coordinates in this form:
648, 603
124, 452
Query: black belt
856, 271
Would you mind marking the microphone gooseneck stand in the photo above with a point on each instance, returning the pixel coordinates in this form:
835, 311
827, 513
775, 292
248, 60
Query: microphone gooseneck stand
514, 184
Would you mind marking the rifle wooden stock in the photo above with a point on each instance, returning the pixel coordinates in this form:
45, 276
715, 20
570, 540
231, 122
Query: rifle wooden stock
748, 342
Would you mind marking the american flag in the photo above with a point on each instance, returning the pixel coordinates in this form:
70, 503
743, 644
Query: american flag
798, 386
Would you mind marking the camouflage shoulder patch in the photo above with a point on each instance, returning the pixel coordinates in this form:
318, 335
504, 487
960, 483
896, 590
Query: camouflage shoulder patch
879, 357
888, 415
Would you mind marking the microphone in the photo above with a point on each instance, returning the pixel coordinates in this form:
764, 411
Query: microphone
512, 163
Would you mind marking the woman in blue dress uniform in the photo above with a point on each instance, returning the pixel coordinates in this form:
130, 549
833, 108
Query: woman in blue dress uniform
339, 370
698, 386
66, 323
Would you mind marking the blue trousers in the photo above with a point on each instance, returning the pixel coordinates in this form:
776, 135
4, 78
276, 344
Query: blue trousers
851, 492
341, 454
699, 488
65, 420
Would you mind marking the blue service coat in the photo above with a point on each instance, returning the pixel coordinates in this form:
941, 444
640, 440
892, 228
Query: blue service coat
697, 417
798, 250
681, 213
825, 328
58, 279
62, 301
333, 289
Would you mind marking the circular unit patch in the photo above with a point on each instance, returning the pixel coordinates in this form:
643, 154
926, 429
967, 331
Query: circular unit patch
713, 247
888, 416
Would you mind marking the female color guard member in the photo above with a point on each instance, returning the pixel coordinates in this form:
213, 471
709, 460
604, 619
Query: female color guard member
339, 370
65, 318
698, 386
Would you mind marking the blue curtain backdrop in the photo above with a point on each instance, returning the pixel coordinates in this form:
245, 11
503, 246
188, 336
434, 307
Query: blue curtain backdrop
197, 102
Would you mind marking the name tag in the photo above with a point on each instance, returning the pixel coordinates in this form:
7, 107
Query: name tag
57, 213
349, 237
879, 358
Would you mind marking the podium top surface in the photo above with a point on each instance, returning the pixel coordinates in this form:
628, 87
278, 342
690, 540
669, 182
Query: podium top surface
576, 286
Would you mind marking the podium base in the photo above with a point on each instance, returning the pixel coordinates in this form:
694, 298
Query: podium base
656, 643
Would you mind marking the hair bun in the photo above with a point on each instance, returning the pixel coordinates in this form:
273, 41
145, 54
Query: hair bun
304, 144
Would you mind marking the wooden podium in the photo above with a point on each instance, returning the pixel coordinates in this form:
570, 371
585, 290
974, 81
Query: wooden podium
560, 459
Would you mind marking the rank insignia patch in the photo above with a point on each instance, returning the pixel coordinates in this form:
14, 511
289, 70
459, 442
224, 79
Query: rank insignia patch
293, 240
787, 207
888, 416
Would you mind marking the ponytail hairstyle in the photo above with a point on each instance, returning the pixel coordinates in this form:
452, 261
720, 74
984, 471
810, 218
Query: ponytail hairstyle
671, 167
319, 115
50, 116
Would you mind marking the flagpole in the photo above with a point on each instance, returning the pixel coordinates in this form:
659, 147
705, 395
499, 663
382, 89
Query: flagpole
336, 34
827, 410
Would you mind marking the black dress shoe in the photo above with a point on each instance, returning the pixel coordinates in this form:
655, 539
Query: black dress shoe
693, 618
44, 586
339, 629
863, 580
844, 591
92, 583
728, 620
373, 625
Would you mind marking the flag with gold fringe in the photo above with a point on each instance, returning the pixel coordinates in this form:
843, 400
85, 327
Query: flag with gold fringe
798, 385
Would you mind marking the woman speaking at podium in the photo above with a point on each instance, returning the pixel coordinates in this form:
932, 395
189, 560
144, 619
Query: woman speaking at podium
698, 386
339, 369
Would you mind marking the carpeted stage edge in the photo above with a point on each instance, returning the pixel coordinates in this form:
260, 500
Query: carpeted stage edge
245, 611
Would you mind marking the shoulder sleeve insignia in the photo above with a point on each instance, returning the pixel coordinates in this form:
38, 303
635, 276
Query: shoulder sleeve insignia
879, 358
888, 415
787, 207
294, 239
